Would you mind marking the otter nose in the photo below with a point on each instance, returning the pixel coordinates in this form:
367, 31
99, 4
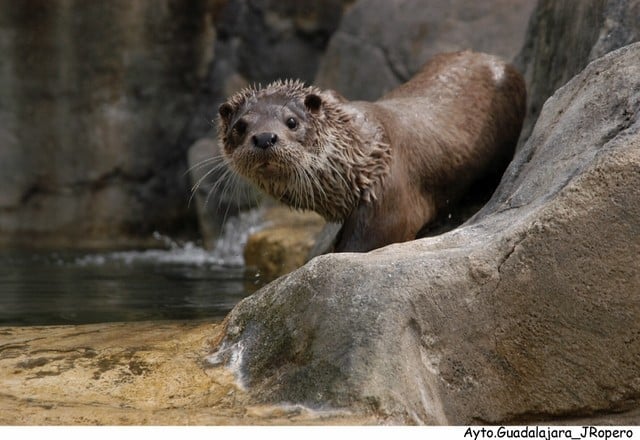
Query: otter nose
264, 140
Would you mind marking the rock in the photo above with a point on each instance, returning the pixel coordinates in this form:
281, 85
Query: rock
381, 44
280, 32
563, 37
93, 97
147, 373
529, 312
284, 244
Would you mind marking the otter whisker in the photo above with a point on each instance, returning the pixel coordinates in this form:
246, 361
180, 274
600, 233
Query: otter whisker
293, 190
307, 195
236, 191
310, 191
310, 202
195, 187
229, 185
204, 162
316, 189
222, 180
213, 169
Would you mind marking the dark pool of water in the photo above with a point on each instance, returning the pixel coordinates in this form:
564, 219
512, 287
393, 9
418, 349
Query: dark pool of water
72, 288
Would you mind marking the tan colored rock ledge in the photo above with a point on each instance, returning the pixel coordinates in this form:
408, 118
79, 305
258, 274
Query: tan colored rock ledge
284, 244
150, 373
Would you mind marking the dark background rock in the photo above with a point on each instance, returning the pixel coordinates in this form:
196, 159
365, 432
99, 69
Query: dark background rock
529, 312
259, 41
563, 37
93, 98
381, 44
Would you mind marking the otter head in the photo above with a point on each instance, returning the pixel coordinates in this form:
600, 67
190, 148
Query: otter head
297, 144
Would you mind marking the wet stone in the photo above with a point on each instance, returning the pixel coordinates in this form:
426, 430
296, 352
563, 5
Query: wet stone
129, 374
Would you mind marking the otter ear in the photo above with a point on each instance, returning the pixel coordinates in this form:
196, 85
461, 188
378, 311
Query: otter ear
313, 102
225, 110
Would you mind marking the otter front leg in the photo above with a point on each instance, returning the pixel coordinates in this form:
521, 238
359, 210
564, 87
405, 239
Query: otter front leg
373, 225
359, 233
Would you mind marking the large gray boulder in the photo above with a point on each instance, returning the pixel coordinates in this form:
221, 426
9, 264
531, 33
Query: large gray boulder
381, 44
93, 98
564, 36
528, 312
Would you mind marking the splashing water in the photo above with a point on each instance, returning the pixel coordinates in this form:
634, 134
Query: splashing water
227, 252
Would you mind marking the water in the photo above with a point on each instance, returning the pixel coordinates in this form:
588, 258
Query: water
182, 281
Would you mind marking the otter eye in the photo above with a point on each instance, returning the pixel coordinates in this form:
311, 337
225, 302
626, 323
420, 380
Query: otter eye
240, 127
292, 124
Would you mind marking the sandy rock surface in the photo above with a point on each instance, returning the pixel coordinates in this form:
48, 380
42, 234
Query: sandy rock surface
150, 373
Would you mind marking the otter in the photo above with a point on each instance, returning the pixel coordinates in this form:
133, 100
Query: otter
384, 169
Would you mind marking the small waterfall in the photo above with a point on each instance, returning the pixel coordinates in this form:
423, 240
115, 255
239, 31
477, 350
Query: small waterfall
227, 252
230, 245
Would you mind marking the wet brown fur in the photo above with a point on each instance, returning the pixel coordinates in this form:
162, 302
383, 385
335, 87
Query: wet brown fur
386, 168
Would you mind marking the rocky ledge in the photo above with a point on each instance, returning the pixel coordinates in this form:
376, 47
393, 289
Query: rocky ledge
148, 373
